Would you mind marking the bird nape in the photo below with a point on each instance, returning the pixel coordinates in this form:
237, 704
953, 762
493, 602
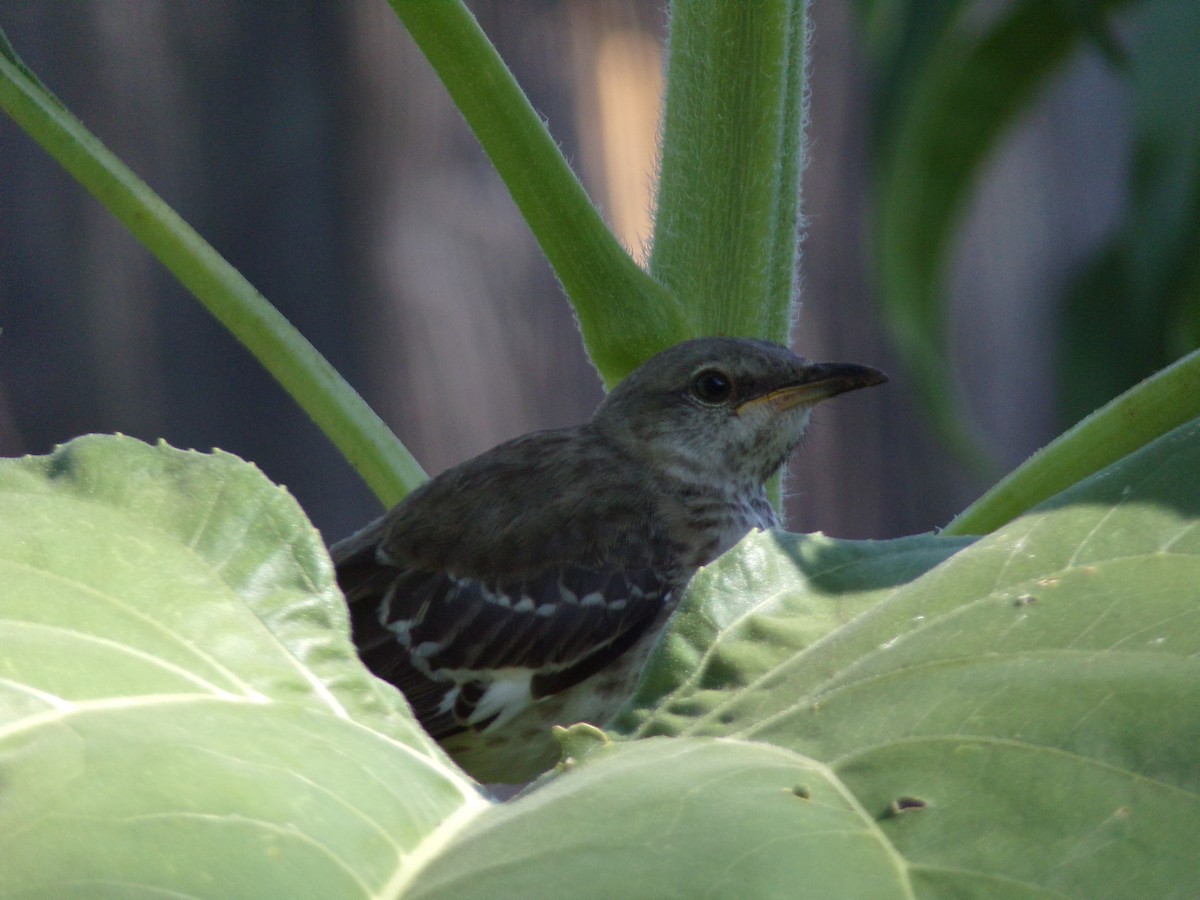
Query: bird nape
525, 588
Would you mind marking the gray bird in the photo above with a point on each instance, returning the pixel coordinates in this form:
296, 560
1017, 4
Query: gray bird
525, 587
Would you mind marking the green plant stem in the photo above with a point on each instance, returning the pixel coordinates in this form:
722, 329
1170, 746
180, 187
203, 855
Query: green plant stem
1158, 405
726, 233
624, 314
383, 462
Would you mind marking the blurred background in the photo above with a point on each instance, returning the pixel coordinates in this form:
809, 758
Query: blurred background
311, 144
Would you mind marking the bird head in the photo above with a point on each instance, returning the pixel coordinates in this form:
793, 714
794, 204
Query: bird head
716, 408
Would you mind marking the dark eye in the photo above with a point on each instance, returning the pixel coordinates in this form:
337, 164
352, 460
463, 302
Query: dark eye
712, 386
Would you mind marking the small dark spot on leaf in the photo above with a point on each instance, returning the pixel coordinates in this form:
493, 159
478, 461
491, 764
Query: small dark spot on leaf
803, 791
727, 717
1025, 600
902, 805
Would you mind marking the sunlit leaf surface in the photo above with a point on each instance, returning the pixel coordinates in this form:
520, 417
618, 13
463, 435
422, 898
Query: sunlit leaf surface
180, 708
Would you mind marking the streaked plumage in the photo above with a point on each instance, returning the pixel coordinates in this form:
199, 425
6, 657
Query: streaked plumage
524, 587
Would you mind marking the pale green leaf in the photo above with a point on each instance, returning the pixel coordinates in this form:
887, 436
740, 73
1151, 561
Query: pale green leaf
775, 594
181, 709
678, 818
1025, 714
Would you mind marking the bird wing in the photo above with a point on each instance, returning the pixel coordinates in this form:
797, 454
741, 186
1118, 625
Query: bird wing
468, 653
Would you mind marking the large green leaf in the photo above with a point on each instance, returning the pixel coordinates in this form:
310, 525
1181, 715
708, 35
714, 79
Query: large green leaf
778, 594
182, 713
676, 818
1026, 714
181, 710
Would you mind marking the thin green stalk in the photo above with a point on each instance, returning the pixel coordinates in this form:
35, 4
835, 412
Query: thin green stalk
382, 461
1159, 404
726, 231
624, 314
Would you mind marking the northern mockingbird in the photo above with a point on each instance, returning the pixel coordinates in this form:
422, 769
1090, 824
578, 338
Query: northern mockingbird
525, 587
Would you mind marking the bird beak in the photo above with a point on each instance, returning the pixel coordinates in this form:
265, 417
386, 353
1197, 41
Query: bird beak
817, 382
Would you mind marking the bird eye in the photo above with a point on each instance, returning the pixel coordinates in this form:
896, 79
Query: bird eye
712, 386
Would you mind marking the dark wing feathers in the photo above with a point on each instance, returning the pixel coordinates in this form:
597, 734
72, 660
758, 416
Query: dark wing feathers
532, 589
429, 632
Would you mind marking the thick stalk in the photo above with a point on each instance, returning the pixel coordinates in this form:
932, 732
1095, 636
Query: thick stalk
726, 231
